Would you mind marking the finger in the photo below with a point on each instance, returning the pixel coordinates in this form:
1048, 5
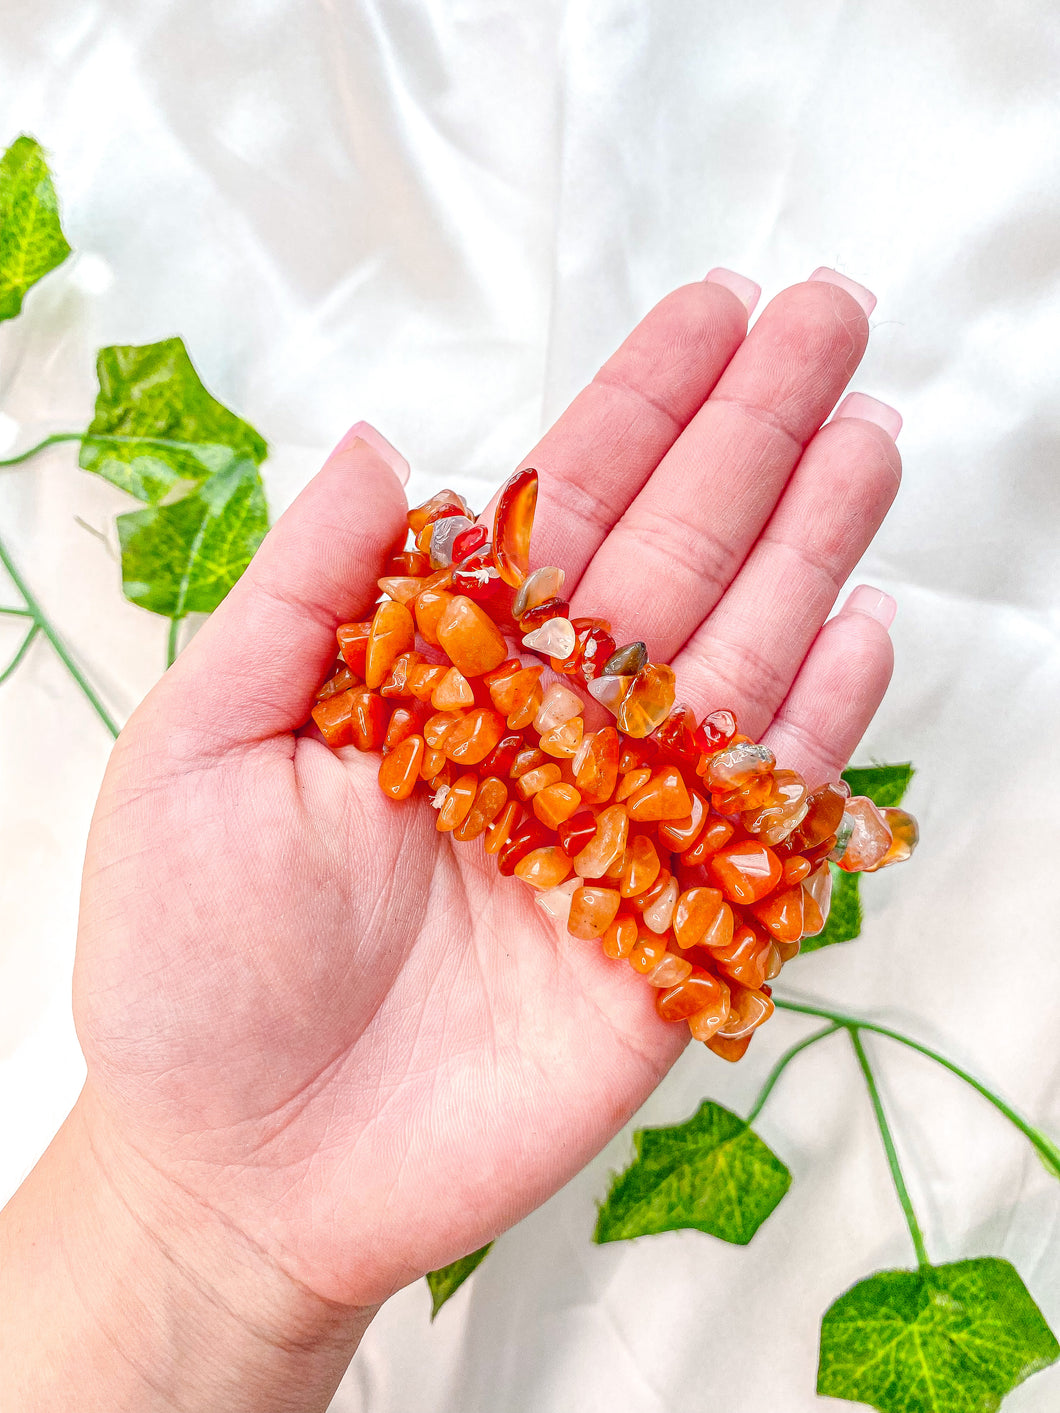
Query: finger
838, 689
676, 550
746, 653
603, 448
253, 669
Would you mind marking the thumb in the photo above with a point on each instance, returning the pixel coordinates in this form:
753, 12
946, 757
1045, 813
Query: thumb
253, 669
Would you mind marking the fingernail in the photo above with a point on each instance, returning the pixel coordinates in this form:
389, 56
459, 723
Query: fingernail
864, 297
365, 432
745, 290
870, 409
874, 603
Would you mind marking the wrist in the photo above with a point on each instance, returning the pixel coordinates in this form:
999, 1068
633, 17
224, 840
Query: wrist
129, 1293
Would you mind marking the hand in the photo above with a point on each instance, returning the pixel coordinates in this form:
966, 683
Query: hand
320, 1020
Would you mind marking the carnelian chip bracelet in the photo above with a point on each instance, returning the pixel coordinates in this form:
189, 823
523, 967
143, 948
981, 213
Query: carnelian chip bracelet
679, 846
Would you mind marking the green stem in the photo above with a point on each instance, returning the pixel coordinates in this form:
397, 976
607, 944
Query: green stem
782, 1064
917, 1235
105, 437
171, 642
24, 647
53, 440
1047, 1149
17, 612
43, 624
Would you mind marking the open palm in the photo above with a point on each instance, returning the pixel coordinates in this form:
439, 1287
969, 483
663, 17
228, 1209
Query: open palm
302, 1004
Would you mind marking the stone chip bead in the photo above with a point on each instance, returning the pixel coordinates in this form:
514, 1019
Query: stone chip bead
786, 809
648, 702
678, 835
669, 971
782, 913
469, 636
596, 766
456, 805
490, 800
698, 991
512, 526
402, 724
536, 780
393, 632
341, 681
471, 739
399, 771
715, 833
737, 767
541, 613
443, 535
555, 804
745, 959
620, 938
510, 684
563, 741
500, 831
664, 796
748, 1010
555, 902
641, 868
558, 705
555, 638
448, 501
368, 720
576, 832
353, 645
659, 914
423, 679
611, 691
706, 1023
631, 782
715, 732
824, 813
397, 682
544, 868
400, 587
646, 955
607, 844
593, 910
696, 911
542, 584
864, 837
905, 835
626, 661
333, 718
428, 608
746, 871
452, 691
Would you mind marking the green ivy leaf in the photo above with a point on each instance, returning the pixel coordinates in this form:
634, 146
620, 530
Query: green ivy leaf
151, 393
448, 1279
184, 557
883, 784
712, 1173
844, 918
950, 1339
31, 238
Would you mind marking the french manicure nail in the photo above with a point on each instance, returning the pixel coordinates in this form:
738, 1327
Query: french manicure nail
874, 603
864, 297
870, 409
745, 290
365, 432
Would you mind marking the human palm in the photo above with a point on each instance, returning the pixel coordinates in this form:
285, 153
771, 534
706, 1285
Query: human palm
304, 1005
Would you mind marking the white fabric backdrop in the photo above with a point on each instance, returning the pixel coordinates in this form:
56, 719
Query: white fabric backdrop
442, 217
